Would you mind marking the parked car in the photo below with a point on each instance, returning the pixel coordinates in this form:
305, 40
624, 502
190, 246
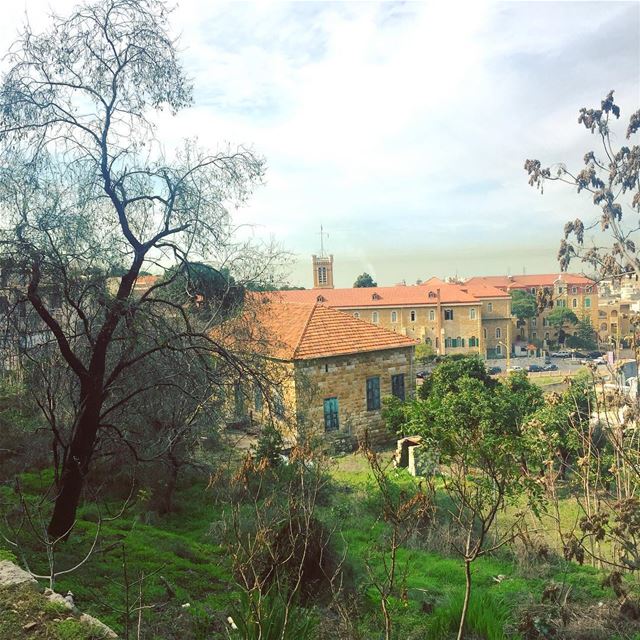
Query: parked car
550, 367
597, 360
515, 367
535, 368
492, 371
422, 374
596, 354
561, 354
578, 354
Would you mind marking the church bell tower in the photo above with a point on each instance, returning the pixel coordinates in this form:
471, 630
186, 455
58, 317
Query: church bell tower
322, 267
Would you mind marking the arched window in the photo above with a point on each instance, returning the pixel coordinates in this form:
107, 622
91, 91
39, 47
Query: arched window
498, 332
472, 314
427, 340
412, 316
460, 342
374, 317
574, 303
448, 342
473, 341
432, 314
603, 326
394, 316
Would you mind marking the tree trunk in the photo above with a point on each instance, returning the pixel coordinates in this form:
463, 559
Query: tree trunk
75, 465
467, 596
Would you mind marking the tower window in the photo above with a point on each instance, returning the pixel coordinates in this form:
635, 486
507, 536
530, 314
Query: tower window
322, 275
412, 316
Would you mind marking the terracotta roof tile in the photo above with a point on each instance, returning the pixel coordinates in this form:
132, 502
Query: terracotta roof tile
298, 331
404, 295
539, 280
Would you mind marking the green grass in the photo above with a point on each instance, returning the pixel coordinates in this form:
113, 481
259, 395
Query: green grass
183, 557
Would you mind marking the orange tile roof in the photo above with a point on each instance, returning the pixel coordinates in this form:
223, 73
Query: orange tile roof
524, 281
298, 331
404, 295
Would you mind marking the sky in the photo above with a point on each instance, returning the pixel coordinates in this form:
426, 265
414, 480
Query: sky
401, 127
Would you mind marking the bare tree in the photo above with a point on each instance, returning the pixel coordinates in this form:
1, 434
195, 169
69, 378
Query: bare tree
612, 177
86, 193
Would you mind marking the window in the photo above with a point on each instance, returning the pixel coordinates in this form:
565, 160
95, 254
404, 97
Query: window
373, 393
331, 420
534, 335
484, 333
560, 290
533, 290
412, 316
587, 289
587, 303
448, 314
356, 314
546, 335
545, 322
397, 385
394, 316
498, 332
322, 275
574, 290
574, 303
257, 398
534, 322
473, 342
603, 326
374, 317
561, 303
432, 314
460, 342
448, 342
427, 340
489, 306
472, 314
498, 350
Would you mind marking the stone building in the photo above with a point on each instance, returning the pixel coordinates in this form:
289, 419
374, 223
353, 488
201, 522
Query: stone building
336, 370
575, 292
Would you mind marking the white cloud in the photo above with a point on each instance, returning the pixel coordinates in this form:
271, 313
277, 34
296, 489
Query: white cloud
403, 127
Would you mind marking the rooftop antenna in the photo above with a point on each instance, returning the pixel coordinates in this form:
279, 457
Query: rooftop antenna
322, 234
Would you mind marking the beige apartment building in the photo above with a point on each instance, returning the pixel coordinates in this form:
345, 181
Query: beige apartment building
452, 318
575, 292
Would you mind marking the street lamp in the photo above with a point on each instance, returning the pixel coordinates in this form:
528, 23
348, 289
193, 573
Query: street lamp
508, 352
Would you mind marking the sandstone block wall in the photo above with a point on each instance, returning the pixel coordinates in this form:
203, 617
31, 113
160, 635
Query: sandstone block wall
345, 378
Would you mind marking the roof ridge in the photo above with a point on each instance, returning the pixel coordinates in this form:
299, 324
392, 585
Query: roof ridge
312, 310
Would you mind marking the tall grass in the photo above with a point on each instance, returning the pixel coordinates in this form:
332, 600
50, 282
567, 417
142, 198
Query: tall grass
487, 617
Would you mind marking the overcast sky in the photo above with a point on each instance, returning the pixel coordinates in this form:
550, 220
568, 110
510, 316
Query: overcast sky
401, 127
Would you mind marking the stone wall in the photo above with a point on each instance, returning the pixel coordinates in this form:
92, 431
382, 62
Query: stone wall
345, 378
27, 611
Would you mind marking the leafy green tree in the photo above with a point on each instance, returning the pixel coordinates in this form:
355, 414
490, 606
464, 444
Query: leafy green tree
364, 280
586, 338
523, 304
476, 428
447, 375
561, 317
